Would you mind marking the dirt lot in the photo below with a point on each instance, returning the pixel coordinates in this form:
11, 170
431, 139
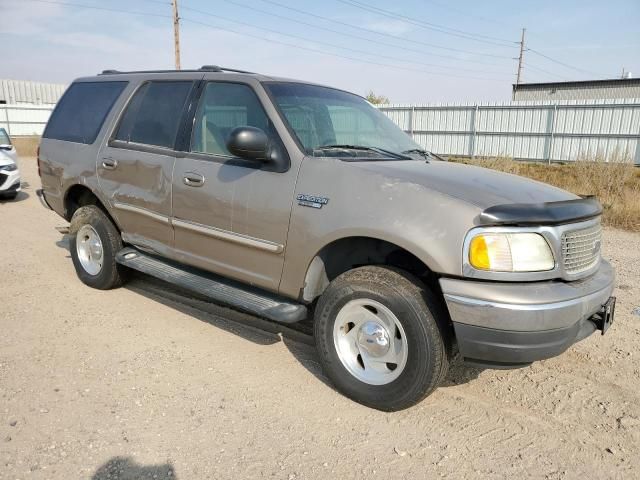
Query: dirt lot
143, 383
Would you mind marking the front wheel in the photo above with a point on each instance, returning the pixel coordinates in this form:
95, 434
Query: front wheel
380, 337
95, 240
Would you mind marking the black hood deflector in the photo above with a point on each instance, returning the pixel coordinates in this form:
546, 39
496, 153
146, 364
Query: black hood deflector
550, 213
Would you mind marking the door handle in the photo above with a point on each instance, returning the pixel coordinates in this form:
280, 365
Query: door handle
109, 163
193, 179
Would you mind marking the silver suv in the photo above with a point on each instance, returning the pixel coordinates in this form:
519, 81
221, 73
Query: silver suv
293, 200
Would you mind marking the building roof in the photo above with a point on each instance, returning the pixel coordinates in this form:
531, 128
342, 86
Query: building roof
618, 82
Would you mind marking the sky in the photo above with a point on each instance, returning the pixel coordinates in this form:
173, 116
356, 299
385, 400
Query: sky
411, 51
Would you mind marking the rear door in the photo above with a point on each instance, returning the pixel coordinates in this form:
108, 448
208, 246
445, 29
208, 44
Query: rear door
135, 166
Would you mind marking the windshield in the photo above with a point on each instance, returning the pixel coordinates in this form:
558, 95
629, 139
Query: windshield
333, 123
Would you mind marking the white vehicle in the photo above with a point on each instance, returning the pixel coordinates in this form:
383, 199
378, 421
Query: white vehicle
9, 173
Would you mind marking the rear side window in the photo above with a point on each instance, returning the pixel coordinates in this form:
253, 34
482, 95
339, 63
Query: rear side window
153, 114
82, 110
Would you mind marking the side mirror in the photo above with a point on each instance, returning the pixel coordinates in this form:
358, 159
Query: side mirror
249, 142
6, 146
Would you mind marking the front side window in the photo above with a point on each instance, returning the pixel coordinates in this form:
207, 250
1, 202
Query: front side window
4, 137
322, 118
223, 107
82, 110
153, 114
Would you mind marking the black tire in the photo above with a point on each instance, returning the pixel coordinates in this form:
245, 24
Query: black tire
9, 196
422, 318
112, 274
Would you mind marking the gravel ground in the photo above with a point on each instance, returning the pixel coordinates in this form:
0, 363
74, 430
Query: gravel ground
141, 382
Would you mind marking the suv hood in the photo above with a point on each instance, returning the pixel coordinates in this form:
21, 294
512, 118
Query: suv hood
475, 185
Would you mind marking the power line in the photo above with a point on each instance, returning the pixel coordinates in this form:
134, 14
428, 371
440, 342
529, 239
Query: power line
461, 11
430, 26
415, 42
351, 35
326, 44
104, 9
547, 72
331, 54
216, 27
566, 65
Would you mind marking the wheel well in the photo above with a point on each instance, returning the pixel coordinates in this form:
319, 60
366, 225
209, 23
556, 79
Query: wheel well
80, 196
348, 253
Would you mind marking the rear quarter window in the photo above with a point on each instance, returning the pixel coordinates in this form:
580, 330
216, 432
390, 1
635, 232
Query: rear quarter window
153, 114
82, 110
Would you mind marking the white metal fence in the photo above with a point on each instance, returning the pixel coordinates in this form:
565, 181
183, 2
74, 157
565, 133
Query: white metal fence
528, 130
20, 120
544, 131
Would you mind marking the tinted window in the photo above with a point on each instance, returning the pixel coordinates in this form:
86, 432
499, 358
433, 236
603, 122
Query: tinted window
153, 114
4, 137
225, 106
82, 111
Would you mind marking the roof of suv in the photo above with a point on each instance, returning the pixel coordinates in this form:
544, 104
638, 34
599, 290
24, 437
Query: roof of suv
204, 69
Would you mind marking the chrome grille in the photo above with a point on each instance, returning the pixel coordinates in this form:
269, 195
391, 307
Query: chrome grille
581, 249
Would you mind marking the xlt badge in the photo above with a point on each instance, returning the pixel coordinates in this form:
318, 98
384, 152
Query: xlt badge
312, 201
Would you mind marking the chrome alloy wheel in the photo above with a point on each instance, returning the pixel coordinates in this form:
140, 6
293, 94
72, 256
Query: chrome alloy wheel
370, 341
89, 249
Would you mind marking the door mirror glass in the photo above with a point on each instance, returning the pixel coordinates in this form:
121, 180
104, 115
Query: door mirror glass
248, 142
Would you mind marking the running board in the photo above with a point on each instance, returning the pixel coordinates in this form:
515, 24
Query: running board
214, 287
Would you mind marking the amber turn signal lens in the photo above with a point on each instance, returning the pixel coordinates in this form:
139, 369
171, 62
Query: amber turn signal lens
479, 253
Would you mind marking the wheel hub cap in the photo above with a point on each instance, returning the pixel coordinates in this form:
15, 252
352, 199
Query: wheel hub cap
370, 341
89, 249
373, 338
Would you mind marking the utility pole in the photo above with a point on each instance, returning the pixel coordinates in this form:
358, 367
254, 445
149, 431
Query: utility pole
176, 32
521, 57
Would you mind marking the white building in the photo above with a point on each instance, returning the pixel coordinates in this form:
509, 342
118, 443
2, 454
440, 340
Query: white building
30, 93
583, 90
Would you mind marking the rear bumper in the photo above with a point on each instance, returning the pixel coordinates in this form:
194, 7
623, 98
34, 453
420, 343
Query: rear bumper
508, 325
43, 199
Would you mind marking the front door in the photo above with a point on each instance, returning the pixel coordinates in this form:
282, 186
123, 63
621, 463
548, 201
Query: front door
230, 215
135, 166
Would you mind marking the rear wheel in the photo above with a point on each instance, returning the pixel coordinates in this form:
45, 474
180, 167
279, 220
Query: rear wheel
95, 240
379, 338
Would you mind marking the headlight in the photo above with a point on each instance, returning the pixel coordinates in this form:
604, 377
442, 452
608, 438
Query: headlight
510, 252
9, 168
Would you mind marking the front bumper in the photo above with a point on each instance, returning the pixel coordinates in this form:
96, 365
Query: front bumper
508, 325
9, 181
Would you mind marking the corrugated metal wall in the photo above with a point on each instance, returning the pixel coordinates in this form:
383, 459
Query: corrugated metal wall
34, 93
21, 120
528, 130
556, 93
546, 131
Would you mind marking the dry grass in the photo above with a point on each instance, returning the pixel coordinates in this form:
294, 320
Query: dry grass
615, 181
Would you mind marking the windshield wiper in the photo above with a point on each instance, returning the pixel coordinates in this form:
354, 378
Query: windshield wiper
363, 148
424, 153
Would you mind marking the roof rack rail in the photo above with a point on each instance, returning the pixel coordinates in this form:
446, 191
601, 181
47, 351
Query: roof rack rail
216, 68
204, 68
